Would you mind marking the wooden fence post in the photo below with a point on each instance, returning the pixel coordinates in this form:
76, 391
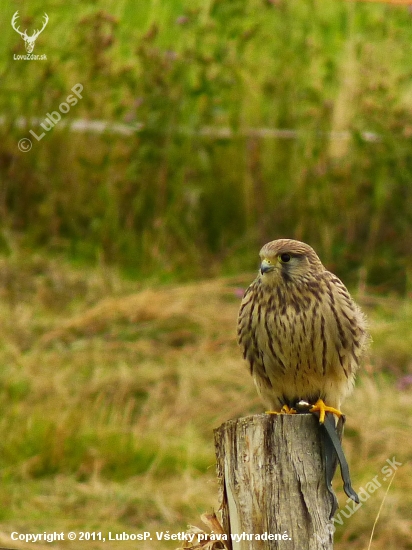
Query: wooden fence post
271, 475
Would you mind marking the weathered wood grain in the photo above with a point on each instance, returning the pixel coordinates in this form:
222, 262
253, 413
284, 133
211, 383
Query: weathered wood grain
272, 481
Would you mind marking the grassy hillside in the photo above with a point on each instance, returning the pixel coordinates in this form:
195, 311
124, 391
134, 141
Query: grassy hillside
110, 393
110, 389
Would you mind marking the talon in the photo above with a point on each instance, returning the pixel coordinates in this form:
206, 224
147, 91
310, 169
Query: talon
287, 410
323, 409
284, 410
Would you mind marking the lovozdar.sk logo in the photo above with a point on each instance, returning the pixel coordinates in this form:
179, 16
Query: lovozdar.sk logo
29, 40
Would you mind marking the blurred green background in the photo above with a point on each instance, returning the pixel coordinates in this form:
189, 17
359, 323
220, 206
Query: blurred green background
206, 181
130, 229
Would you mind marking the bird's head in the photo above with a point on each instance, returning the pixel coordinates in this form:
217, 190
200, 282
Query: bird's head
286, 260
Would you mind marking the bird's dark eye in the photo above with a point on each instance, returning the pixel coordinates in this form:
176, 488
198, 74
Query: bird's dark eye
285, 258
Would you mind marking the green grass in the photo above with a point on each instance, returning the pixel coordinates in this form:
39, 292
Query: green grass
111, 433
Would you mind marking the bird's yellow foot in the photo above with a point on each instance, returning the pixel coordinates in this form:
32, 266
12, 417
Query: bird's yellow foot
284, 410
323, 409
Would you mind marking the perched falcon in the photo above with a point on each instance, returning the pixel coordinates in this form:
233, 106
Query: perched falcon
300, 331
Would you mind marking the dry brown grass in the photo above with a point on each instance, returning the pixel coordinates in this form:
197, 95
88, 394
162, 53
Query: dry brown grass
110, 396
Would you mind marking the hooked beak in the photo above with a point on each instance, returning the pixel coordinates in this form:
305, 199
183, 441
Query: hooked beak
266, 266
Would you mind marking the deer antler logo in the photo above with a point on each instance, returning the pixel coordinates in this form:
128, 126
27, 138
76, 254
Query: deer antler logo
29, 41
